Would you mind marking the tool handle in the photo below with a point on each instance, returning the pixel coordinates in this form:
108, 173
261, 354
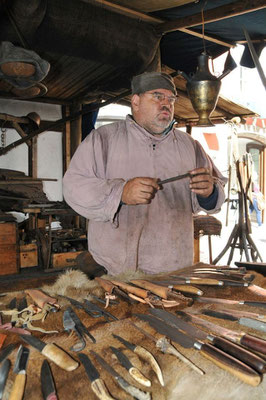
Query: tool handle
139, 377
131, 289
152, 287
133, 390
148, 357
188, 289
230, 364
52, 396
244, 355
254, 343
18, 387
59, 357
99, 388
205, 281
105, 284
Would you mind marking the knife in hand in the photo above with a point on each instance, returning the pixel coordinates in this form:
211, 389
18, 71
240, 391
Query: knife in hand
47, 382
133, 371
20, 366
97, 384
52, 352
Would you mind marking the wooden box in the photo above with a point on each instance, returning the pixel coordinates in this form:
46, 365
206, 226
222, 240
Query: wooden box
9, 254
68, 259
28, 255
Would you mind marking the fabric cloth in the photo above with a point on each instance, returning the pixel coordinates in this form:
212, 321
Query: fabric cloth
152, 80
254, 206
153, 237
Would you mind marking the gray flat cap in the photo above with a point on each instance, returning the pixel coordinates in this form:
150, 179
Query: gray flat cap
152, 80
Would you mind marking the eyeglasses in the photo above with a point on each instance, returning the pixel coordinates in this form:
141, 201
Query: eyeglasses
159, 97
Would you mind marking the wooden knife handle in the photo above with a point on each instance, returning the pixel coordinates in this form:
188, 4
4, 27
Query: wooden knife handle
205, 281
188, 289
244, 355
105, 284
161, 291
254, 343
17, 391
59, 357
230, 364
99, 388
131, 289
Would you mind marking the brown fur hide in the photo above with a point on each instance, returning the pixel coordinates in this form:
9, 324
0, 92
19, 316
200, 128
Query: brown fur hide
180, 381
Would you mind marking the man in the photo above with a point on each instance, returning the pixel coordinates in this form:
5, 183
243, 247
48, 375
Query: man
114, 181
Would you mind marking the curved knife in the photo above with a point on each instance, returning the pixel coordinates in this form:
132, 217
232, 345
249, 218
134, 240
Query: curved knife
133, 371
145, 355
47, 382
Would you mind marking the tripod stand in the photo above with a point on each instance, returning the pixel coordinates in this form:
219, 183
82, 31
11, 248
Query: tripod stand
240, 236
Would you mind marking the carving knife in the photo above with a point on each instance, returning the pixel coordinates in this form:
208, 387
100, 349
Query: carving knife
242, 313
198, 281
180, 287
132, 390
260, 304
4, 371
145, 355
246, 356
249, 322
178, 177
20, 366
47, 382
133, 371
97, 384
217, 356
249, 341
52, 352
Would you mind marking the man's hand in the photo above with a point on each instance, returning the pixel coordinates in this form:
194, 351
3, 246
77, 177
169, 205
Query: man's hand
202, 182
139, 191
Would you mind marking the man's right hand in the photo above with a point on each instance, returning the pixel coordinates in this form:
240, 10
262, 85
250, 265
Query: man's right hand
139, 191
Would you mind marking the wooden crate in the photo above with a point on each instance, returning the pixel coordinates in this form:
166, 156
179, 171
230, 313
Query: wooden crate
68, 259
28, 255
9, 252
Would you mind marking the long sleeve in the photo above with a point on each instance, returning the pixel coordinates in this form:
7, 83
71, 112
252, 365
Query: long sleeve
85, 186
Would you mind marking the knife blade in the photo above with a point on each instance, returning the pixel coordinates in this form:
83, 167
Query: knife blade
54, 353
4, 371
178, 177
132, 390
133, 371
260, 304
217, 356
47, 382
246, 356
145, 355
20, 366
6, 351
249, 322
249, 341
97, 384
242, 313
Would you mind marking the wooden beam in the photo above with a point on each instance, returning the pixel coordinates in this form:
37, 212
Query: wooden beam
216, 14
207, 37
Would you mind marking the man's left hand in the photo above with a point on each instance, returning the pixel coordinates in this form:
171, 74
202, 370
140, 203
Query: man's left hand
201, 182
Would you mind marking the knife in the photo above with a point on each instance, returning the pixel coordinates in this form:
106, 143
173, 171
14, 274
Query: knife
132, 390
4, 371
261, 304
178, 177
249, 322
97, 384
246, 356
6, 351
47, 382
52, 352
180, 287
133, 371
242, 313
198, 281
217, 356
20, 366
249, 341
145, 355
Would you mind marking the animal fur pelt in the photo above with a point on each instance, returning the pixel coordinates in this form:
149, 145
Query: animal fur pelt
181, 382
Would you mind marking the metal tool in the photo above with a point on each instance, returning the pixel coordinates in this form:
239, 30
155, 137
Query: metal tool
145, 354
261, 304
95, 308
72, 322
4, 371
47, 382
20, 366
132, 390
97, 384
52, 352
178, 177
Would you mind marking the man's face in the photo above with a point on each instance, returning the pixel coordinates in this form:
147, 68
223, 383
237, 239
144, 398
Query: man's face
154, 110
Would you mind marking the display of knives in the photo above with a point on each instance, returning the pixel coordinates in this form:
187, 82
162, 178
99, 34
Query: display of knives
133, 371
6, 351
217, 356
235, 350
47, 382
20, 366
227, 280
197, 281
97, 384
260, 304
249, 322
95, 308
145, 355
127, 387
251, 342
54, 353
4, 371
79, 327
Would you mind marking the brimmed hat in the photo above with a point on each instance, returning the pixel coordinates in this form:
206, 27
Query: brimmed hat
152, 80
